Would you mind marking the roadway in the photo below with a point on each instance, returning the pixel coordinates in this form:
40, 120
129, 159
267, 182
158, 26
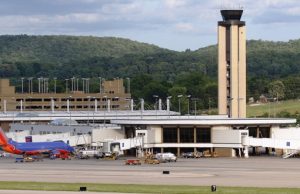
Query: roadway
252, 172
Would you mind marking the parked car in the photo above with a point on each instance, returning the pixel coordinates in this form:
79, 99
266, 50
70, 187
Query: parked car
192, 155
188, 155
166, 157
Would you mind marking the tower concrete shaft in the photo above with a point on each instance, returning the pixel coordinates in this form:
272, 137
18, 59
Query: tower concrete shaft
232, 64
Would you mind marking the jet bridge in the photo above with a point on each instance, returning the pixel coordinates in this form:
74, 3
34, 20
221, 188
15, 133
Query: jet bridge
290, 147
120, 145
286, 139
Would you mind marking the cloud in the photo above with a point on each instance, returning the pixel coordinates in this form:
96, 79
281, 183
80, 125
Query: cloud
184, 27
177, 19
174, 3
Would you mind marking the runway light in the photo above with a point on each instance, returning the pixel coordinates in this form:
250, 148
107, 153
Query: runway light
213, 188
166, 172
81, 189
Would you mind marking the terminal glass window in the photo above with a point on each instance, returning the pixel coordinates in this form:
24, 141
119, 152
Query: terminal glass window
169, 135
115, 106
203, 135
252, 131
264, 132
187, 135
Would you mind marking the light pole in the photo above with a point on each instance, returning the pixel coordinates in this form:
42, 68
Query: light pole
54, 85
195, 105
100, 85
68, 109
22, 79
83, 84
168, 104
95, 107
155, 106
104, 121
30, 85
67, 85
179, 96
73, 84
87, 85
46, 85
188, 96
77, 80
116, 99
40, 80
208, 105
89, 106
128, 85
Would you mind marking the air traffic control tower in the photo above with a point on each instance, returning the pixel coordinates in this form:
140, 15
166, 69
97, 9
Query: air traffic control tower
232, 64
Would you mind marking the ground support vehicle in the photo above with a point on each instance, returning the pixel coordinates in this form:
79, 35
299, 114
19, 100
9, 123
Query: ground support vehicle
29, 159
133, 162
110, 156
150, 159
208, 153
166, 157
192, 155
19, 160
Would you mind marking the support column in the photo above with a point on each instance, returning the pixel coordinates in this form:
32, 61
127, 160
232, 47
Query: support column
246, 152
21, 106
234, 81
195, 138
222, 77
131, 105
108, 105
159, 104
68, 106
52, 105
242, 72
257, 132
4, 106
96, 105
178, 135
142, 105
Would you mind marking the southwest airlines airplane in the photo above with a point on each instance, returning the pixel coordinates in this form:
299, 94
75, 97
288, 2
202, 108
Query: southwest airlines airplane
58, 148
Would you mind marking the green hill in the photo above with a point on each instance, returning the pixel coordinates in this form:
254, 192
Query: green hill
66, 49
264, 58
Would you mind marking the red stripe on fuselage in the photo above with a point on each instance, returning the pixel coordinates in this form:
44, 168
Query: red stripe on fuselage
11, 149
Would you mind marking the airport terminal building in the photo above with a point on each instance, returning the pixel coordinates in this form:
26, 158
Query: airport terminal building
218, 134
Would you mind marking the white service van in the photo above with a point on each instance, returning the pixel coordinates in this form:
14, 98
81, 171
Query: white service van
166, 157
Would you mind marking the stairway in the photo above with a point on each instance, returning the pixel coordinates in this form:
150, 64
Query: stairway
290, 153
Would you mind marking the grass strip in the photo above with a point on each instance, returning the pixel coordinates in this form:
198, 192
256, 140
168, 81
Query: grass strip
174, 189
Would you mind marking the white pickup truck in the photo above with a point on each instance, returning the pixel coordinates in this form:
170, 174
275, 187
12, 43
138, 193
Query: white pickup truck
166, 157
86, 154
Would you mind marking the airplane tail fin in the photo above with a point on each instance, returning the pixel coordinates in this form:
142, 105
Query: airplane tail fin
3, 138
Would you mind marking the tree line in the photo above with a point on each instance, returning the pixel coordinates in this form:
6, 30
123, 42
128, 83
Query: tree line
273, 68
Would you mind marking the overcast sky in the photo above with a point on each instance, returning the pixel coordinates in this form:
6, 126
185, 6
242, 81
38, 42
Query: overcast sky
172, 24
